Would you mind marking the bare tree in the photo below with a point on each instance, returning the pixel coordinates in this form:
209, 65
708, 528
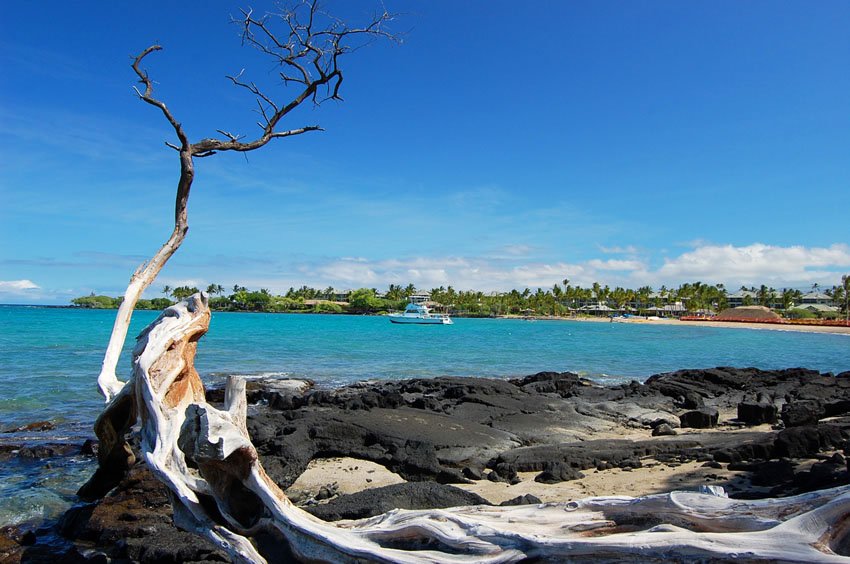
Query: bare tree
220, 489
308, 45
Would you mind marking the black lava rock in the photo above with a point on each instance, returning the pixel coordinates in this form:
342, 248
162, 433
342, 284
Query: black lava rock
704, 418
756, 413
409, 495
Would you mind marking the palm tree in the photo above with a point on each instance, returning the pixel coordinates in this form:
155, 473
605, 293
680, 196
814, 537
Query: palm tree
167, 290
762, 295
597, 291
557, 294
787, 298
409, 290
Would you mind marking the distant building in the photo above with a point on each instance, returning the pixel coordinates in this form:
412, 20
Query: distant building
419, 298
675, 309
341, 295
817, 298
742, 297
819, 309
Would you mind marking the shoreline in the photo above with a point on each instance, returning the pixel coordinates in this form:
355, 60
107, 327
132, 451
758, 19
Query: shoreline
676, 322
365, 449
798, 328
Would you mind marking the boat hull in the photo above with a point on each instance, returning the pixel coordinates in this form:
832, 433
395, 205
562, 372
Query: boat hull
410, 320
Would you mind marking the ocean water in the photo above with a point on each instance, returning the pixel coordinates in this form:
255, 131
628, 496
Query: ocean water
50, 358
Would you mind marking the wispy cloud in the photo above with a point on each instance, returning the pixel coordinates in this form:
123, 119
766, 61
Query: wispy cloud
53, 64
17, 286
87, 135
728, 264
793, 266
614, 264
82, 259
516, 250
616, 250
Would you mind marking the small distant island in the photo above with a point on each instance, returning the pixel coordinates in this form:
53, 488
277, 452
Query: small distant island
562, 300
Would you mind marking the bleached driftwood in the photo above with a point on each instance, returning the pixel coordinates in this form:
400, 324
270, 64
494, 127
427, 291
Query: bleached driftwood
220, 490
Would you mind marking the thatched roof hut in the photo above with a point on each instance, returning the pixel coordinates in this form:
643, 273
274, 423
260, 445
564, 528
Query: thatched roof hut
747, 313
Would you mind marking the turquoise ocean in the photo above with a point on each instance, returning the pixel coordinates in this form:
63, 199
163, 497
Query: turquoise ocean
50, 358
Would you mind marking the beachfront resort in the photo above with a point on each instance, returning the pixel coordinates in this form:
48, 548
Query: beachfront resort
561, 300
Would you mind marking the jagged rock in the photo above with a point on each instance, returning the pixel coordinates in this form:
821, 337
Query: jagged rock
563, 383
590, 454
447, 429
31, 427
663, 430
691, 400
802, 412
11, 549
800, 442
90, 447
409, 495
822, 475
48, 450
555, 472
772, 472
526, 499
704, 418
472, 473
135, 523
756, 413
763, 449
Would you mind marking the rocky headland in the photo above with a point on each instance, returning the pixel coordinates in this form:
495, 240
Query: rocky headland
463, 441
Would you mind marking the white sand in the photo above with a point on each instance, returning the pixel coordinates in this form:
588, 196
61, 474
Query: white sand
350, 475
676, 322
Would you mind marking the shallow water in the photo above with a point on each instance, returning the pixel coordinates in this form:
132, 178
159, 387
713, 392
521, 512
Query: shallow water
50, 358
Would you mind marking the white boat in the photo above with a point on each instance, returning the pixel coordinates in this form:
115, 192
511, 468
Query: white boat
420, 314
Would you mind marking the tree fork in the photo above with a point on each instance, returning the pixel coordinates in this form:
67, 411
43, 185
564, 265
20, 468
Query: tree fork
309, 55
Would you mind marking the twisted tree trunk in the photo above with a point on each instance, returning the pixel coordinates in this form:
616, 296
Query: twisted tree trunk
308, 52
220, 490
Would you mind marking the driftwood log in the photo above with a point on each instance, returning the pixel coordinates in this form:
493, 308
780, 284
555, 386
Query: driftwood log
220, 490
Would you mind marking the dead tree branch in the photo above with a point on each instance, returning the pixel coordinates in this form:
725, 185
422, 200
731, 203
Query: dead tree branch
313, 49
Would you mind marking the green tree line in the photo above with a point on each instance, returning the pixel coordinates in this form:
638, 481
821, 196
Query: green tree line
559, 300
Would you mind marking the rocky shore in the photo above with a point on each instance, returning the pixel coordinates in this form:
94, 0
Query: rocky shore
426, 443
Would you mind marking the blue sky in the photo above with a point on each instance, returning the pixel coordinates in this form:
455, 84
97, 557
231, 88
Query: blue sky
501, 145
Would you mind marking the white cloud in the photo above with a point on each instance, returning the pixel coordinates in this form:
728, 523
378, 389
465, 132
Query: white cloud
516, 250
27, 291
614, 264
794, 266
757, 263
754, 264
461, 272
18, 286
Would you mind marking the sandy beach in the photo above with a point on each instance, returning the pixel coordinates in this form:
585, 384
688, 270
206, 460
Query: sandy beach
677, 322
347, 475
344, 475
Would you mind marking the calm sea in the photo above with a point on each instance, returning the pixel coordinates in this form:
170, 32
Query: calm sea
50, 358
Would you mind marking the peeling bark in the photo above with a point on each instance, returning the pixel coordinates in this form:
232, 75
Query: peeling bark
220, 490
